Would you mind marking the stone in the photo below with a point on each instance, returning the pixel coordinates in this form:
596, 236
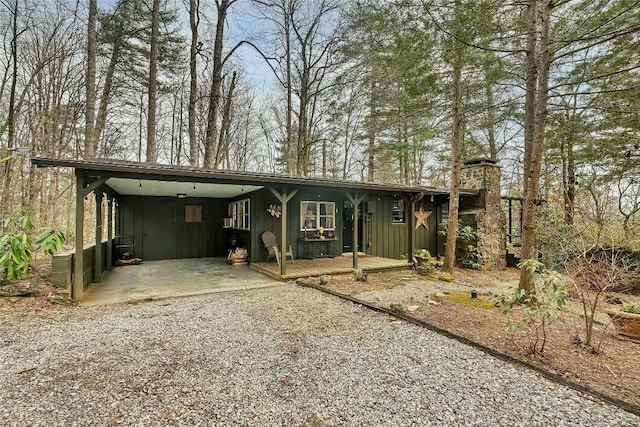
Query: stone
313, 281
398, 309
19, 289
489, 218
61, 299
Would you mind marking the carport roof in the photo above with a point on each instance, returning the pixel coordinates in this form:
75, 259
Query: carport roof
134, 172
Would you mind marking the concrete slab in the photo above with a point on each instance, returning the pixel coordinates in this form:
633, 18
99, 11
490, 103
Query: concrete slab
173, 278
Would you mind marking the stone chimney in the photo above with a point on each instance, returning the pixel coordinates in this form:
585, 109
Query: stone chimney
486, 211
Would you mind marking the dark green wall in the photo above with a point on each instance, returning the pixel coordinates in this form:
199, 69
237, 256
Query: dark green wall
381, 237
391, 240
160, 231
63, 266
262, 221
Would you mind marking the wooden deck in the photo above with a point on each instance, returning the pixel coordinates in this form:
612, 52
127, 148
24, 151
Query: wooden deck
321, 266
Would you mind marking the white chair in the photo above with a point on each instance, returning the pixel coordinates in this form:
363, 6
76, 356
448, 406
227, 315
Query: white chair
270, 242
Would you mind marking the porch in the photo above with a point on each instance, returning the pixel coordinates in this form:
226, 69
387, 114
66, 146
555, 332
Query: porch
321, 266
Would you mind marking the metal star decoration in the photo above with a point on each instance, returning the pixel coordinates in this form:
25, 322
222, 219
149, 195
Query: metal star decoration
421, 218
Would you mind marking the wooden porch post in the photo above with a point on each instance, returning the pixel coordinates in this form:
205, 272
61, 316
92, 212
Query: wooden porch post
82, 190
355, 199
77, 287
284, 201
109, 232
412, 223
97, 259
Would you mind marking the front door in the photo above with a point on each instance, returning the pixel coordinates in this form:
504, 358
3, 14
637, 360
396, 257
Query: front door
347, 227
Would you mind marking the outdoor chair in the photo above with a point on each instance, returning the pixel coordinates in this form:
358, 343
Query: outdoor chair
270, 242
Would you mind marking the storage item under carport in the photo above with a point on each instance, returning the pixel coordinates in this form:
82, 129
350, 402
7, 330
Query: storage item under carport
124, 246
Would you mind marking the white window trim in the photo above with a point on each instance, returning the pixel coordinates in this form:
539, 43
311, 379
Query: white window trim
240, 221
403, 210
330, 210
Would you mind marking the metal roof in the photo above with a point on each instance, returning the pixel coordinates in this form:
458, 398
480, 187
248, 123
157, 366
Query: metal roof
139, 173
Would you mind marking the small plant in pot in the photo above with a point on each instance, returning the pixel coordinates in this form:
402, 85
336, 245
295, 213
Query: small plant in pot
424, 263
423, 256
626, 320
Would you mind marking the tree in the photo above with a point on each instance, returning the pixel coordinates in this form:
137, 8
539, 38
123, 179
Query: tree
592, 34
538, 64
280, 14
11, 113
89, 134
218, 109
310, 44
457, 127
124, 45
386, 46
152, 86
211, 149
194, 20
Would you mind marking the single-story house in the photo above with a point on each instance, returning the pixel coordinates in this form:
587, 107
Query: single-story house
176, 212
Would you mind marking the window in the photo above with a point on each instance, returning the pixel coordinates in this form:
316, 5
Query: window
397, 211
317, 214
239, 214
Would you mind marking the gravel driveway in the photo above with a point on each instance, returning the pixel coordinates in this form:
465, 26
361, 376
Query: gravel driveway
268, 357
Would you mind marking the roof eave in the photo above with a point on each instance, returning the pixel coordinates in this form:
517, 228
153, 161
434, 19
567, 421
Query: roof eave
181, 173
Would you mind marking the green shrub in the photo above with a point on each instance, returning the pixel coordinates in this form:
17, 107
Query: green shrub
17, 246
540, 307
423, 253
468, 254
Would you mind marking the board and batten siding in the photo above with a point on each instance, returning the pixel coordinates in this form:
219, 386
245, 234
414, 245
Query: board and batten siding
262, 221
160, 231
391, 240
380, 237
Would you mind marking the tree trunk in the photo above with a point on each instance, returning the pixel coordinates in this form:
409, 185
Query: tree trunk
456, 154
89, 131
302, 149
223, 141
193, 87
216, 84
537, 72
371, 149
491, 122
11, 115
569, 163
180, 128
101, 120
288, 15
152, 155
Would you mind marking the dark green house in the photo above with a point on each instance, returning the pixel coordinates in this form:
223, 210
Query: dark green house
175, 212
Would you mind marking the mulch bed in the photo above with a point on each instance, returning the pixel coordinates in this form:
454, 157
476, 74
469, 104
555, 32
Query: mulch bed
612, 369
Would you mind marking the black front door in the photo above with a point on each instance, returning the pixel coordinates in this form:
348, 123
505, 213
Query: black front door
347, 227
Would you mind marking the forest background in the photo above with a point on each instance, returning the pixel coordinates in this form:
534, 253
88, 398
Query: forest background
386, 91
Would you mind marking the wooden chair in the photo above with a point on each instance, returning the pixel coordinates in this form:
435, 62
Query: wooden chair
270, 242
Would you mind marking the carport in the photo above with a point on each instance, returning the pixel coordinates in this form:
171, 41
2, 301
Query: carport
173, 278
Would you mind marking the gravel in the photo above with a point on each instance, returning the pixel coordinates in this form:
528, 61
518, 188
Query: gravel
283, 356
